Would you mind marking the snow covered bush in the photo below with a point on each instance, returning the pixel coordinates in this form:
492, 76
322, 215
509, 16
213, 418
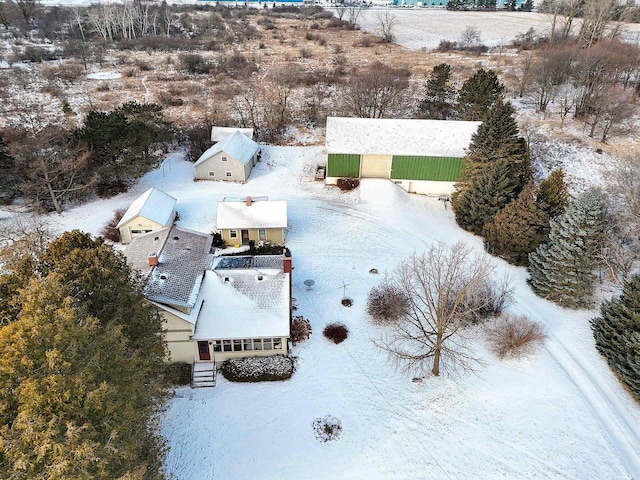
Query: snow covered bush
511, 336
300, 329
336, 332
386, 303
258, 369
327, 428
487, 300
110, 232
346, 184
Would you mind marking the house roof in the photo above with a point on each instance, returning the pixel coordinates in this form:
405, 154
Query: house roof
385, 136
244, 303
220, 133
236, 145
154, 205
183, 256
262, 213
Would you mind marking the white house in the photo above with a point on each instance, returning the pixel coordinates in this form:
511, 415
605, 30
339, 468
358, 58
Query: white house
151, 211
421, 156
230, 159
257, 219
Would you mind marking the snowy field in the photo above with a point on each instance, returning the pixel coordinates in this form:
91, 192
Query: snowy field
556, 413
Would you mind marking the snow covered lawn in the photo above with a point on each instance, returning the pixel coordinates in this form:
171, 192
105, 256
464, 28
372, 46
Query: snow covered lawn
556, 413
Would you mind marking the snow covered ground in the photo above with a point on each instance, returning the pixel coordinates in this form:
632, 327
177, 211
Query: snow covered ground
556, 413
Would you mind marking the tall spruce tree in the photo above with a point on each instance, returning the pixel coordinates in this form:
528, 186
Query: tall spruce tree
487, 195
477, 95
553, 194
561, 269
617, 334
439, 95
497, 139
517, 229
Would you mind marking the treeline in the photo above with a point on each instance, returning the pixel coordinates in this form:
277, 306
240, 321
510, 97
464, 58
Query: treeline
81, 363
51, 165
467, 5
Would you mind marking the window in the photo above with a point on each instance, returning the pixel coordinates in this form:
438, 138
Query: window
228, 174
217, 346
247, 344
277, 344
224, 159
267, 344
227, 345
233, 233
139, 232
257, 344
237, 345
212, 174
262, 233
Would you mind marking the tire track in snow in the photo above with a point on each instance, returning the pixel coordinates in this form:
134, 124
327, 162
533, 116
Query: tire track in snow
622, 431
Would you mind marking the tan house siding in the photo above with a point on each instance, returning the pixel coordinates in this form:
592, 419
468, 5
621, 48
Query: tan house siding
376, 166
178, 334
273, 235
141, 224
239, 171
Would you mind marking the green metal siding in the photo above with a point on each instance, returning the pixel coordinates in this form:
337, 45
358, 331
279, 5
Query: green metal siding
343, 165
443, 169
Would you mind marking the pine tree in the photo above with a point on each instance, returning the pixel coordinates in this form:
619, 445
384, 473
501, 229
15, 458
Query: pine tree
439, 95
553, 194
617, 334
477, 95
487, 195
561, 269
497, 139
81, 360
517, 229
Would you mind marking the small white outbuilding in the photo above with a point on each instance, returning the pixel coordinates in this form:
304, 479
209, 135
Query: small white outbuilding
229, 160
151, 211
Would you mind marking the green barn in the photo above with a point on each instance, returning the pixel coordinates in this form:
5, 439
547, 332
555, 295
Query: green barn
421, 156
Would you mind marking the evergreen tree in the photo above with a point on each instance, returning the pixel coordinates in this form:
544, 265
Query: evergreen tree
561, 269
439, 95
553, 194
527, 6
9, 178
497, 139
617, 334
81, 361
478, 94
487, 195
517, 229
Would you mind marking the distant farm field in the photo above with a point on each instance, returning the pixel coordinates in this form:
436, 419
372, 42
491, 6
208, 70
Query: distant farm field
418, 28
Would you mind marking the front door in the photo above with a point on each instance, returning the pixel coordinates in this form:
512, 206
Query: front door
245, 237
203, 351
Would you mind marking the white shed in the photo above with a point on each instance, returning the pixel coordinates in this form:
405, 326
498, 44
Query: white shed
230, 160
151, 211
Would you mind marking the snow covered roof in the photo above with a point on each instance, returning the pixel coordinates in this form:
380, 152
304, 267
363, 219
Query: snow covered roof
385, 136
154, 205
262, 213
236, 145
244, 304
220, 133
183, 256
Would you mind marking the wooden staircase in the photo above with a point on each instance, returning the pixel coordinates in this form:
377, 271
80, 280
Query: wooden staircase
203, 374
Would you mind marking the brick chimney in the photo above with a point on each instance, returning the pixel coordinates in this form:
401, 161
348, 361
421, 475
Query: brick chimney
153, 260
249, 201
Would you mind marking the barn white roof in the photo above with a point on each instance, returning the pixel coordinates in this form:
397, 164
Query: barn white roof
237, 145
154, 205
386, 136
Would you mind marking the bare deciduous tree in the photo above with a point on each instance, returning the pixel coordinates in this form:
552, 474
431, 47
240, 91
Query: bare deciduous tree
444, 289
387, 23
27, 9
377, 91
23, 236
469, 37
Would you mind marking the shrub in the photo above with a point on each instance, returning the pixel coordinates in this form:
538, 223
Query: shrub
487, 300
194, 63
386, 303
346, 302
110, 232
258, 369
336, 332
346, 184
178, 374
305, 52
327, 428
512, 336
446, 46
300, 329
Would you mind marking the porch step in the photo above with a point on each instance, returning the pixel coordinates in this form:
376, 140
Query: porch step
203, 375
